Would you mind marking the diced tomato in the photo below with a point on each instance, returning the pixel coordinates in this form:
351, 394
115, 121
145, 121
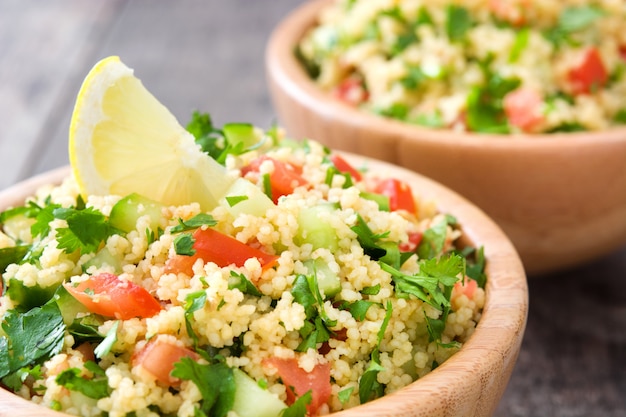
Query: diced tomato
107, 295
622, 52
344, 166
399, 193
589, 73
509, 10
158, 358
351, 91
523, 108
223, 250
415, 238
299, 382
284, 179
468, 287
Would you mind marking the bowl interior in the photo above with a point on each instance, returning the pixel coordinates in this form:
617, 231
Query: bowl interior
473, 380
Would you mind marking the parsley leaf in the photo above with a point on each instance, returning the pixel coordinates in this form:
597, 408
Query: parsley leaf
196, 221
298, 408
183, 244
96, 387
215, 382
369, 387
574, 19
434, 281
193, 302
368, 240
358, 309
243, 284
458, 22
107, 343
86, 229
31, 337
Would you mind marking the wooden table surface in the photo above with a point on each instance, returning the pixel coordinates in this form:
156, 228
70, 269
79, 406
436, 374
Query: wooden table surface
208, 55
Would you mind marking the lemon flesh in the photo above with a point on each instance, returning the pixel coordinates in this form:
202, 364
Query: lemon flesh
123, 140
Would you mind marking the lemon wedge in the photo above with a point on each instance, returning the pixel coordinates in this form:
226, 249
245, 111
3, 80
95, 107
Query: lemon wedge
123, 140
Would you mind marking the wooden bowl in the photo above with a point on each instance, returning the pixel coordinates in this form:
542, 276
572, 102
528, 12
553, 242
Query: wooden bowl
468, 384
561, 198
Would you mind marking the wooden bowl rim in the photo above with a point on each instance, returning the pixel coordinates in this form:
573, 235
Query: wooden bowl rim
497, 338
284, 69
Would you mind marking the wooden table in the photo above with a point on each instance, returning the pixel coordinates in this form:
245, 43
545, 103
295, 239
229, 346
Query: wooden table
208, 55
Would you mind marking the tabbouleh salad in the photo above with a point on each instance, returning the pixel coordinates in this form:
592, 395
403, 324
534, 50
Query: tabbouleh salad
491, 66
314, 286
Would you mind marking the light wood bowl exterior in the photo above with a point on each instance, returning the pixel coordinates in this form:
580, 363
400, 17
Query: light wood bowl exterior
471, 383
561, 198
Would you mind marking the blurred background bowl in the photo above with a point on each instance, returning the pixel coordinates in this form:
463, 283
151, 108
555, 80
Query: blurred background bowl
470, 383
561, 198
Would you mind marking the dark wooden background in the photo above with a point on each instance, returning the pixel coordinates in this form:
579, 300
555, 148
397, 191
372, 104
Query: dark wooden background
209, 55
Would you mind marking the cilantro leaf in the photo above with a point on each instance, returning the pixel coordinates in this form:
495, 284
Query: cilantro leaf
43, 216
30, 337
215, 382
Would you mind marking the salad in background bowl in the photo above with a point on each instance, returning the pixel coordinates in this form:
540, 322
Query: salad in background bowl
517, 105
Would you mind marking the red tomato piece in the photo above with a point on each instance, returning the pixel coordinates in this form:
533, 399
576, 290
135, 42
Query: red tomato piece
351, 91
223, 250
467, 287
299, 382
284, 179
589, 73
415, 238
158, 358
109, 296
399, 193
523, 108
344, 166
511, 11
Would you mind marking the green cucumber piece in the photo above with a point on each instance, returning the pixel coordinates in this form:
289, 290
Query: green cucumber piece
29, 297
381, 200
327, 281
315, 230
253, 401
102, 258
128, 210
243, 197
241, 135
69, 306
12, 255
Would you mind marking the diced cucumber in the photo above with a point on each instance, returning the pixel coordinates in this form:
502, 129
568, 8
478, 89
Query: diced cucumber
253, 401
128, 210
29, 297
241, 135
70, 307
327, 280
11, 255
380, 199
315, 230
245, 197
102, 258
